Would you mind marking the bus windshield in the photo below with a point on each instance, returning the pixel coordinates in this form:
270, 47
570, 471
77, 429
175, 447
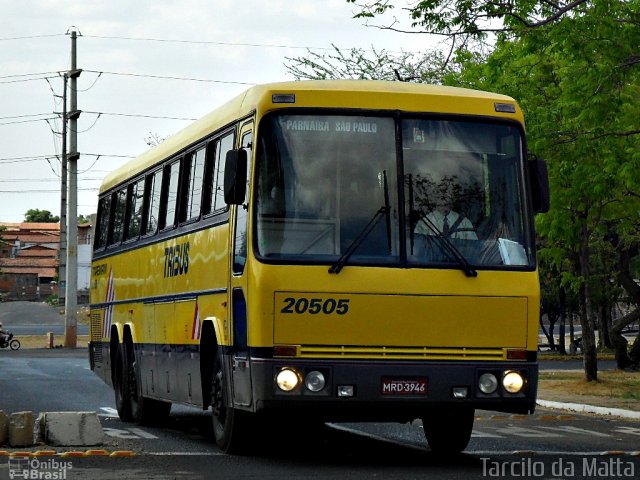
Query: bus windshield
451, 192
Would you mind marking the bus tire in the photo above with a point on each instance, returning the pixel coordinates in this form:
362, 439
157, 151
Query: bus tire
230, 426
121, 385
448, 430
144, 410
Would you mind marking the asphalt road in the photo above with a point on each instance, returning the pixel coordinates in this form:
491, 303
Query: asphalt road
34, 318
503, 446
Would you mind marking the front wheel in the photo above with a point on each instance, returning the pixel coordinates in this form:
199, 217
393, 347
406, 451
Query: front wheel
230, 426
448, 430
14, 344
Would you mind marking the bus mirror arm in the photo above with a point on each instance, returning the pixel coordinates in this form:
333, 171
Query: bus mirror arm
235, 177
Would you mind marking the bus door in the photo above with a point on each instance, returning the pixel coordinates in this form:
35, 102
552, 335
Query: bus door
238, 294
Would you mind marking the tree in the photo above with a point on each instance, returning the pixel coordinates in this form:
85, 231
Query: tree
40, 216
154, 139
578, 81
359, 64
473, 18
574, 68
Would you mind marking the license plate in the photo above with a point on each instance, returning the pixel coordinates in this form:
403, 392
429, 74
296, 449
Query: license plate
404, 386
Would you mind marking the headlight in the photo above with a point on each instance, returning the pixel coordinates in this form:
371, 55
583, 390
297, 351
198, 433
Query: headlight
488, 383
314, 381
513, 382
287, 379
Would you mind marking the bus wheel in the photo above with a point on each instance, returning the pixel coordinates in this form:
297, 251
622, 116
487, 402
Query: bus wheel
121, 386
229, 424
144, 410
448, 430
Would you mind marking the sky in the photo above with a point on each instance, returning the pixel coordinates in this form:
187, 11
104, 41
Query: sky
213, 50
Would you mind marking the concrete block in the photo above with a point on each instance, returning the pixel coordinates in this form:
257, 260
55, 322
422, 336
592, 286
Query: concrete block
70, 428
4, 428
21, 429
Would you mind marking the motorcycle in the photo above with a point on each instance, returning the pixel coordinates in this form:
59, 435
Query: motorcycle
9, 341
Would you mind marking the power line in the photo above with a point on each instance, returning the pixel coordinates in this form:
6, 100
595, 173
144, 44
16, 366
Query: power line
25, 116
108, 155
167, 77
206, 42
33, 36
45, 180
27, 79
29, 121
138, 115
48, 191
29, 74
55, 156
26, 159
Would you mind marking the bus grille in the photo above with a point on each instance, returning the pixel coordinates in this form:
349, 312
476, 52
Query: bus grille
403, 353
97, 352
96, 327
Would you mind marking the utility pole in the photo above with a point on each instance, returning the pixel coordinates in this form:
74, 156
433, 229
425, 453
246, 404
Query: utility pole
62, 269
71, 304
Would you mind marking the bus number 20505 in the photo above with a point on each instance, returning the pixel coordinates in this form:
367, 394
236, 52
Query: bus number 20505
315, 306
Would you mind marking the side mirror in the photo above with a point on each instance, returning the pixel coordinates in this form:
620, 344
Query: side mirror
539, 183
235, 177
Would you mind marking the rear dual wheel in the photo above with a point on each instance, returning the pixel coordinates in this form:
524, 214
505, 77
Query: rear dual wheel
131, 404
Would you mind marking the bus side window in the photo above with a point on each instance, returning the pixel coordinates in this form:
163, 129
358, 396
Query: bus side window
192, 185
217, 195
153, 189
104, 212
120, 207
170, 197
240, 244
134, 210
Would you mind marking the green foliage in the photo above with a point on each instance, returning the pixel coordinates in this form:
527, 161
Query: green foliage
474, 18
40, 216
574, 67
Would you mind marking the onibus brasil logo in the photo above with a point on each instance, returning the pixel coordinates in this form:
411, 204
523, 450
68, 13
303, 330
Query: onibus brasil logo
36, 469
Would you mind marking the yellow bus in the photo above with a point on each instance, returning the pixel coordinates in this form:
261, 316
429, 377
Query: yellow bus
325, 251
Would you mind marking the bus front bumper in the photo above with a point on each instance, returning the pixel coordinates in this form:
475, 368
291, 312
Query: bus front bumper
390, 390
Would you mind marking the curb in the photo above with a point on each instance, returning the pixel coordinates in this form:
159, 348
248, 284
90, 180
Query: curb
580, 408
69, 454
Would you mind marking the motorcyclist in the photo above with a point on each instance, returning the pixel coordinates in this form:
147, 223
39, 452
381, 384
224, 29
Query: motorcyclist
4, 335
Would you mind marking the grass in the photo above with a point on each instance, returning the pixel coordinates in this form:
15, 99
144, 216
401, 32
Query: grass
559, 357
615, 384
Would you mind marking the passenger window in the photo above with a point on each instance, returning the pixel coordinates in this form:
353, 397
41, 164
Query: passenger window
240, 244
118, 217
217, 183
104, 212
195, 176
134, 222
171, 198
153, 190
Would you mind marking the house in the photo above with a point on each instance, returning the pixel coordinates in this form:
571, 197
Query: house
29, 259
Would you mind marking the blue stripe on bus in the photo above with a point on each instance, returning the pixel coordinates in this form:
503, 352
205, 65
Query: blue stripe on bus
161, 298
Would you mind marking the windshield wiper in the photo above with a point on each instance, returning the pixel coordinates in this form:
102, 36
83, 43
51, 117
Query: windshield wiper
446, 245
384, 210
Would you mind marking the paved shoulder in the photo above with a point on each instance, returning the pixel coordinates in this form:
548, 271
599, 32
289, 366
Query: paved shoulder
22, 313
